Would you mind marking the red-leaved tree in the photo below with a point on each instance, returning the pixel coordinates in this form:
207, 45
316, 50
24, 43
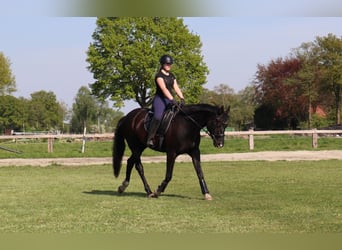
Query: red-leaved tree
281, 104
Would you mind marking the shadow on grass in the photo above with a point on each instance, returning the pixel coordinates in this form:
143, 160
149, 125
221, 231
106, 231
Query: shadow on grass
132, 194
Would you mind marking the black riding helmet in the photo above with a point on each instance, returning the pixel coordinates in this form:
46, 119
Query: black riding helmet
166, 59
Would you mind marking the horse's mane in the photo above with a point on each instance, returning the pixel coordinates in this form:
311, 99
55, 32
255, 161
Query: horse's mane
194, 108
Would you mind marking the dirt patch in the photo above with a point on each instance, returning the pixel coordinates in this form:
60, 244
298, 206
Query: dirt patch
249, 156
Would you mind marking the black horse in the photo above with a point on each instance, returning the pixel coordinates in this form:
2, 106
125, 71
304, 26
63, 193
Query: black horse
182, 137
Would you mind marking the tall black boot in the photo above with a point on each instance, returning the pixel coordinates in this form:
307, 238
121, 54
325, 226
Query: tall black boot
152, 132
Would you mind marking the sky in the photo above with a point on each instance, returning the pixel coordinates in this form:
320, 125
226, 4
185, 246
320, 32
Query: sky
49, 53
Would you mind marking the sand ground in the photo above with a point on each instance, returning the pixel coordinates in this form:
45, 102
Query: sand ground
249, 156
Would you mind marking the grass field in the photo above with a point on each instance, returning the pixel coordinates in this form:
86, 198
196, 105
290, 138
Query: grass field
272, 197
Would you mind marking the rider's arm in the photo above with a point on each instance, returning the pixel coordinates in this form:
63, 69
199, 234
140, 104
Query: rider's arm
177, 89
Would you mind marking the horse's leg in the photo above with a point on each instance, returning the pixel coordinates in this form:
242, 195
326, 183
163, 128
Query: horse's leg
170, 162
134, 160
196, 160
125, 183
139, 167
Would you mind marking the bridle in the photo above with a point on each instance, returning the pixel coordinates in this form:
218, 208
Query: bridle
213, 136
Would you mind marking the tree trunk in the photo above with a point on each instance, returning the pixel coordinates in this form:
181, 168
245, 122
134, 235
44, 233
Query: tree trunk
310, 108
338, 103
310, 115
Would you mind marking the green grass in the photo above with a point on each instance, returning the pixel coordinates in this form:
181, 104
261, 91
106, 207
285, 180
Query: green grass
38, 149
272, 197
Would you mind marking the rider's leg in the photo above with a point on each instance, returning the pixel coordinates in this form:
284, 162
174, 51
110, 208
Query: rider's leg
158, 110
152, 131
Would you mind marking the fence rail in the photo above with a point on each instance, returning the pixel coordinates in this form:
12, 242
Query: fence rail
51, 137
56, 136
314, 134
250, 133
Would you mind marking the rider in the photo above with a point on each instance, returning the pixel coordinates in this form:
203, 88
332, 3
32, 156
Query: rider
165, 82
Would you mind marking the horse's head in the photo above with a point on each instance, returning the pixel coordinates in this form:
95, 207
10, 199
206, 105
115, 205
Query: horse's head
217, 125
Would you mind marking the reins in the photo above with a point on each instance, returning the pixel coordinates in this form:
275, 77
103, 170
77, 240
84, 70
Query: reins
195, 122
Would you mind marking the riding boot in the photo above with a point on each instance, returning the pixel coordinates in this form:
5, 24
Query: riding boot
152, 131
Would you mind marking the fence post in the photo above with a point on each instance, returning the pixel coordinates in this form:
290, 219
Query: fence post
50, 144
84, 139
251, 139
314, 138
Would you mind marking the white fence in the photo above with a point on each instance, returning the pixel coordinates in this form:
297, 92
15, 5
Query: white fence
250, 134
51, 137
314, 134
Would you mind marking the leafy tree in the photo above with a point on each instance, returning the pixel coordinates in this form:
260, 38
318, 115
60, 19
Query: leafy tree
41, 112
264, 117
309, 79
207, 96
107, 118
95, 115
12, 113
7, 80
221, 95
84, 111
224, 95
330, 55
66, 114
242, 106
124, 58
45, 113
245, 106
273, 93
320, 75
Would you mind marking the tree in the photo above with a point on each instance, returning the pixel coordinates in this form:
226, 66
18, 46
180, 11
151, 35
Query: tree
242, 106
12, 113
94, 115
245, 106
107, 118
308, 77
124, 58
7, 80
221, 95
66, 115
330, 54
45, 113
84, 111
274, 94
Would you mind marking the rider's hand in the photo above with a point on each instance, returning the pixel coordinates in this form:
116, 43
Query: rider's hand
182, 102
172, 103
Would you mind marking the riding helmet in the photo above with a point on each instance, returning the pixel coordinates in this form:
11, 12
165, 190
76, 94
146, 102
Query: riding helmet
166, 59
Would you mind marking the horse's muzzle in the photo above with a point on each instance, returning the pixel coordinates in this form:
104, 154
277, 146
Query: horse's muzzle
218, 140
218, 144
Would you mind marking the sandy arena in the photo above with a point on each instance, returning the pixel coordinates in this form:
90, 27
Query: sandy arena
249, 156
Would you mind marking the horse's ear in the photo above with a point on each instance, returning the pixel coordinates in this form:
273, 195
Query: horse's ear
221, 110
228, 109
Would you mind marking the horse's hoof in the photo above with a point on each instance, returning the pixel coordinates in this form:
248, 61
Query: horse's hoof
120, 190
208, 197
153, 195
123, 187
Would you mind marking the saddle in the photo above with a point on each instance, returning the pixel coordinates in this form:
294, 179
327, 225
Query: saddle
165, 123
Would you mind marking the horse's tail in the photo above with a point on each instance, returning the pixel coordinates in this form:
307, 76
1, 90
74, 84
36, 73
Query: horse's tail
118, 148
